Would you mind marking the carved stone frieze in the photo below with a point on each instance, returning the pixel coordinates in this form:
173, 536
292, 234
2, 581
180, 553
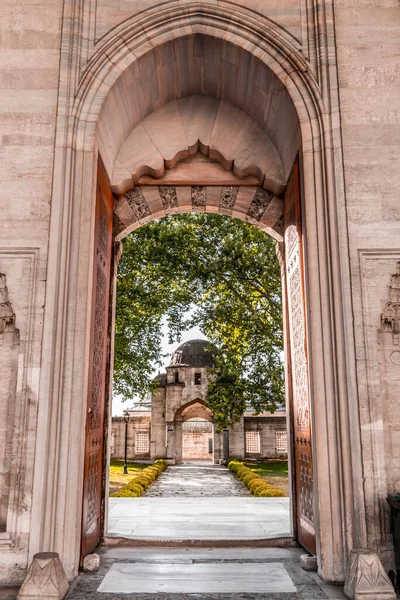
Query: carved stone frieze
132, 206
7, 315
168, 196
228, 197
138, 203
259, 204
199, 195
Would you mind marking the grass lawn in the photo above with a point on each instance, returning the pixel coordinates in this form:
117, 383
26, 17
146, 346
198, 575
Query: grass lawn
117, 477
274, 471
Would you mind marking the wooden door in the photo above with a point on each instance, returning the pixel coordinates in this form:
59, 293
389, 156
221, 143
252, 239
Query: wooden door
93, 466
294, 266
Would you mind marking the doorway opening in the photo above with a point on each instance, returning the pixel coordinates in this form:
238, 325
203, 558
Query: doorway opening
197, 440
254, 177
182, 429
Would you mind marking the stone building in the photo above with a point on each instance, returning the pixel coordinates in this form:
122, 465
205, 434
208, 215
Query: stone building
177, 424
284, 113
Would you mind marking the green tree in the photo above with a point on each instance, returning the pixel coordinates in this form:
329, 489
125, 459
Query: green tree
228, 271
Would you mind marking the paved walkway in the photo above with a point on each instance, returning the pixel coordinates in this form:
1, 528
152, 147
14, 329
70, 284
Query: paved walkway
198, 502
210, 519
196, 480
209, 574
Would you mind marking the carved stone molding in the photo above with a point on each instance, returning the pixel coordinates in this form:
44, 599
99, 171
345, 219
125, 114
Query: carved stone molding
7, 315
390, 317
366, 578
251, 203
45, 579
19, 391
137, 203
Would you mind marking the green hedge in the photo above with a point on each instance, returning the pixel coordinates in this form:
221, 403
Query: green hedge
257, 485
139, 484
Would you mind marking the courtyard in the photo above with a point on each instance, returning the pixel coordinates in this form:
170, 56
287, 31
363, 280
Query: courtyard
199, 502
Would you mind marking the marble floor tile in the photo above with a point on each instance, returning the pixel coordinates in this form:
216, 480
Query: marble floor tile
205, 578
240, 518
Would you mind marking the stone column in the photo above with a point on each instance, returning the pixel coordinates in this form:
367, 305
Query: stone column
225, 445
169, 442
178, 454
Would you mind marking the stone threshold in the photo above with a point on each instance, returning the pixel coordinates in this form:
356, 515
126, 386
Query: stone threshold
114, 540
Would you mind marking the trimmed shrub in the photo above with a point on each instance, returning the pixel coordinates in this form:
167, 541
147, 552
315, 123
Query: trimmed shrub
249, 478
242, 470
271, 493
257, 485
233, 465
135, 487
264, 488
125, 492
143, 481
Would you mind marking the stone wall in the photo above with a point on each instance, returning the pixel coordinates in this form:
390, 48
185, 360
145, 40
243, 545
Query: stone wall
195, 444
30, 38
368, 45
138, 430
197, 441
158, 441
267, 427
286, 13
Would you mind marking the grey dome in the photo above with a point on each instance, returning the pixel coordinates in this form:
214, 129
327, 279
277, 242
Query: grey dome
161, 379
194, 353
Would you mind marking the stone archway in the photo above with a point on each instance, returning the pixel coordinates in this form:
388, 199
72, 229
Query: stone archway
190, 411
83, 129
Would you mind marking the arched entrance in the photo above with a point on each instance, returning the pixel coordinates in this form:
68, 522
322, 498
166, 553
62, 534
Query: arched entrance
269, 82
193, 421
197, 440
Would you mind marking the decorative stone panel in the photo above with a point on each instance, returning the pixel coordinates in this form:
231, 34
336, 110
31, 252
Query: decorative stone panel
199, 195
228, 198
137, 202
390, 318
259, 204
168, 196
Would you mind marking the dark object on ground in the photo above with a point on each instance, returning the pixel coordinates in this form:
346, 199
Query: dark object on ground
394, 503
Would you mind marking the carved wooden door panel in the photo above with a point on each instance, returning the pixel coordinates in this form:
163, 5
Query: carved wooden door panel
299, 365
92, 485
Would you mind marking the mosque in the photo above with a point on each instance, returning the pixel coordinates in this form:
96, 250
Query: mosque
177, 424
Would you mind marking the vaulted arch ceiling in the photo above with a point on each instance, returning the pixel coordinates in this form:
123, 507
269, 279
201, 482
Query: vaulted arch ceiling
179, 130
198, 87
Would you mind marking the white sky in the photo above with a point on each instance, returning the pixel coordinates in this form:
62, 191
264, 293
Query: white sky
118, 406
